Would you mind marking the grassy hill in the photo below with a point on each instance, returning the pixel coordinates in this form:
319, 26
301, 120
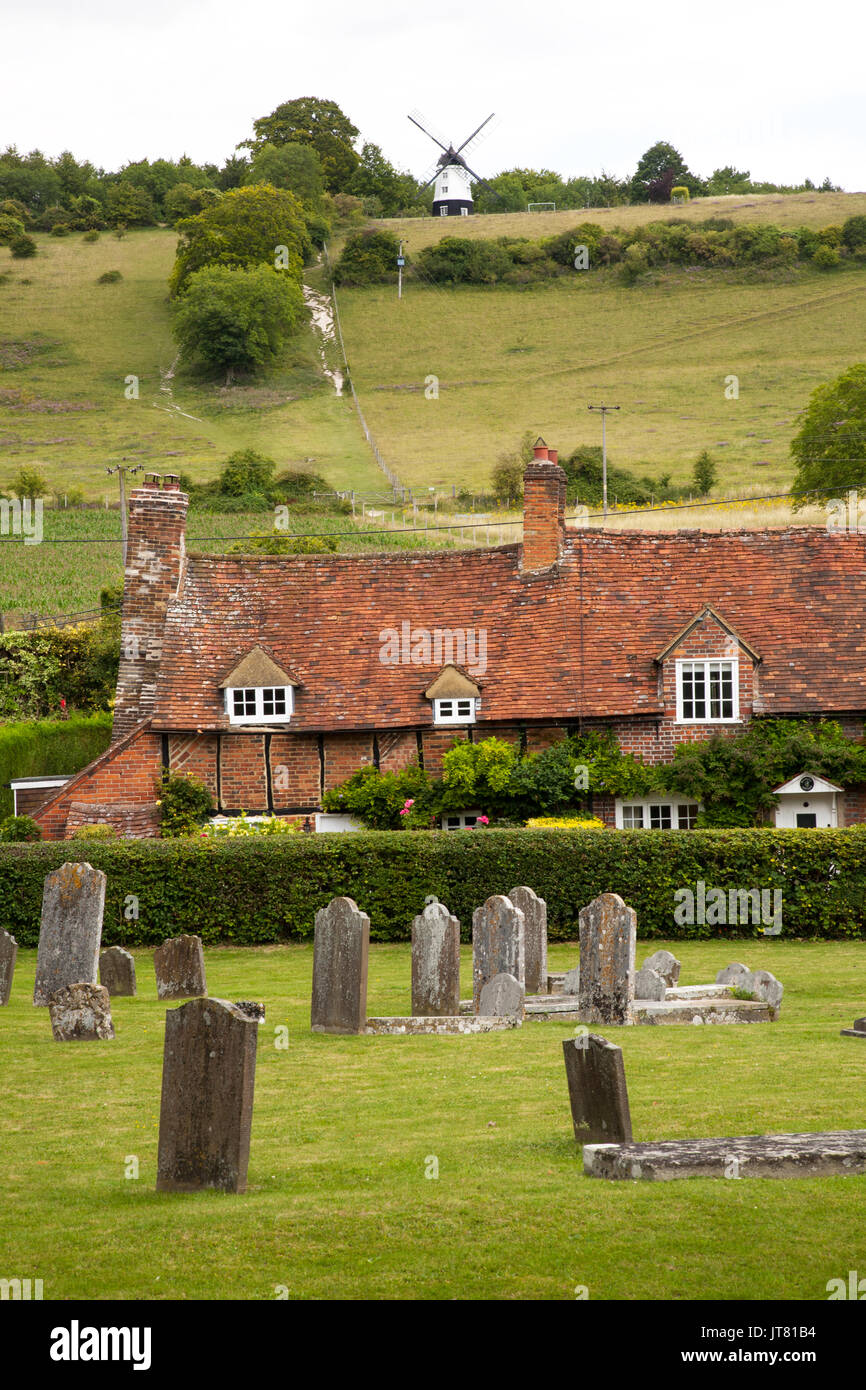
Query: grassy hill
509, 359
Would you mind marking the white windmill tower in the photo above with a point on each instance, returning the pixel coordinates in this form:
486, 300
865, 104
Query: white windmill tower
452, 177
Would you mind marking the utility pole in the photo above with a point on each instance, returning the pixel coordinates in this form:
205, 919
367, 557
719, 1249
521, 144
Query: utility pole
603, 410
121, 478
401, 261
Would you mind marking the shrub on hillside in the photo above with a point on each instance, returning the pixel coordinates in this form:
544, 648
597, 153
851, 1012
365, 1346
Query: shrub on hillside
109, 277
235, 320
826, 258
854, 232
368, 258
10, 229
22, 247
92, 235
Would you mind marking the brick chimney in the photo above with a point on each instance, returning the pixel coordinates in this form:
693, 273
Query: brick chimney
543, 510
154, 564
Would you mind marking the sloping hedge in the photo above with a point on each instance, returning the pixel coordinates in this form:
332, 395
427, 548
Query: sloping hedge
249, 891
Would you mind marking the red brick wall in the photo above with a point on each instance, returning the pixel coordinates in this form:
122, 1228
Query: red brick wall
295, 771
195, 755
438, 741
345, 754
123, 777
397, 750
243, 781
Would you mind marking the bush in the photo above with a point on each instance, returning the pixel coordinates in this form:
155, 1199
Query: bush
237, 320
826, 258
368, 258
251, 890
19, 828
22, 247
854, 232
60, 229
92, 235
100, 831
184, 803
76, 664
44, 747
11, 228
110, 277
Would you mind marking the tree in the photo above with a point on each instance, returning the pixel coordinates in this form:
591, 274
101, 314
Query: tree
317, 122
29, 482
246, 471
728, 180
186, 201
368, 257
130, 205
243, 229
654, 164
830, 445
376, 177
235, 319
704, 474
293, 166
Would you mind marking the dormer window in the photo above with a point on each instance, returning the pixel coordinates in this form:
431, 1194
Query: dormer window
707, 692
267, 704
454, 711
258, 691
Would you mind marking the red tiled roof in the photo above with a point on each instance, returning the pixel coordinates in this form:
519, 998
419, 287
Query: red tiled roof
579, 640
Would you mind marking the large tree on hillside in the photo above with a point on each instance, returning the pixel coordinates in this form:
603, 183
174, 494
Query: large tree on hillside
312, 121
237, 320
654, 163
830, 446
245, 228
293, 166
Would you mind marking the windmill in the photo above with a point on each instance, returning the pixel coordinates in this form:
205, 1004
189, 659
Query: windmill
452, 194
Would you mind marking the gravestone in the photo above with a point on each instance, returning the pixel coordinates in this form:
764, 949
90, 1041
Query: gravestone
497, 944
8, 953
571, 981
208, 1076
765, 987
608, 931
340, 953
665, 964
117, 971
435, 963
502, 997
649, 984
597, 1091
733, 975
534, 911
179, 966
857, 1031
81, 1013
73, 900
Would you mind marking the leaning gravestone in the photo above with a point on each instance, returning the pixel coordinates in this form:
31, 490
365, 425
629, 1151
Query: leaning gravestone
649, 984
8, 952
208, 1075
497, 944
597, 1090
571, 981
734, 975
73, 900
81, 1013
665, 964
435, 963
117, 971
534, 911
340, 953
608, 931
502, 997
179, 965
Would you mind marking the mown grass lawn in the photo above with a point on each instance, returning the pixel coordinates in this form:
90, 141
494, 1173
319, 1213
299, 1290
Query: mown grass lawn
338, 1205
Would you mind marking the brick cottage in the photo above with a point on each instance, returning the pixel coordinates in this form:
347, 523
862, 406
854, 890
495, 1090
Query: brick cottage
273, 678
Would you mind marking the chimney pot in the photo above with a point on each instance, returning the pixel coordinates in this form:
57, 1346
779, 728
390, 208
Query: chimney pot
539, 448
553, 455
151, 480
171, 482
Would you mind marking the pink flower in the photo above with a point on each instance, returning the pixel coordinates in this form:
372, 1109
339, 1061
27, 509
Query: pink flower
482, 820
405, 811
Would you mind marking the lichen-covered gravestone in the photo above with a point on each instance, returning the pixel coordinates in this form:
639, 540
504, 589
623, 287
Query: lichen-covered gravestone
665, 964
435, 963
649, 984
73, 900
117, 971
502, 997
608, 932
8, 953
208, 1076
81, 1013
534, 911
597, 1090
179, 965
340, 952
497, 944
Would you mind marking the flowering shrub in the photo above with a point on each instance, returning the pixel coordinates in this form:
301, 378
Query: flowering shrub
564, 823
242, 825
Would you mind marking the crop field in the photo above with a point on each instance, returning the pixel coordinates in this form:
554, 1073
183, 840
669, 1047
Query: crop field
434, 1167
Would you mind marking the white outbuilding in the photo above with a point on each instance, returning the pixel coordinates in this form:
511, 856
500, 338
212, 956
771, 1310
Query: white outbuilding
807, 802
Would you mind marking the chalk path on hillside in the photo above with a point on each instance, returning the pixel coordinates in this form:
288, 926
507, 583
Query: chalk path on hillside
322, 316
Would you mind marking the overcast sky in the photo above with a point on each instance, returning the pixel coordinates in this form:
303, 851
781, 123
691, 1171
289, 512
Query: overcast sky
772, 88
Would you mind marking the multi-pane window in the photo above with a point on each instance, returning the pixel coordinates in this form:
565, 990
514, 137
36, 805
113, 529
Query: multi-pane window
268, 704
454, 711
707, 691
657, 815
461, 822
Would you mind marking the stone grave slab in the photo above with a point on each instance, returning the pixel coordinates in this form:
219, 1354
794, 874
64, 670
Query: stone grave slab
534, 911
857, 1031
608, 931
597, 1091
837, 1153
498, 932
208, 1078
117, 971
8, 955
435, 962
73, 901
439, 1024
704, 1011
179, 965
340, 956
81, 1013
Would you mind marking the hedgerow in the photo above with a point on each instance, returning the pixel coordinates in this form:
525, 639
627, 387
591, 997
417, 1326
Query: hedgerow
249, 891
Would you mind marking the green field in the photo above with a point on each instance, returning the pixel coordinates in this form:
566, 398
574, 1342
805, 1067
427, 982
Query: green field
344, 1129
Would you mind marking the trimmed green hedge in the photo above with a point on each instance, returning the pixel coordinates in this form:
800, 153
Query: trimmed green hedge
250, 891
40, 747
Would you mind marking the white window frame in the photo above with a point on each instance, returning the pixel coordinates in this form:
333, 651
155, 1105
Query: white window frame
260, 717
466, 820
706, 663
453, 714
676, 803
